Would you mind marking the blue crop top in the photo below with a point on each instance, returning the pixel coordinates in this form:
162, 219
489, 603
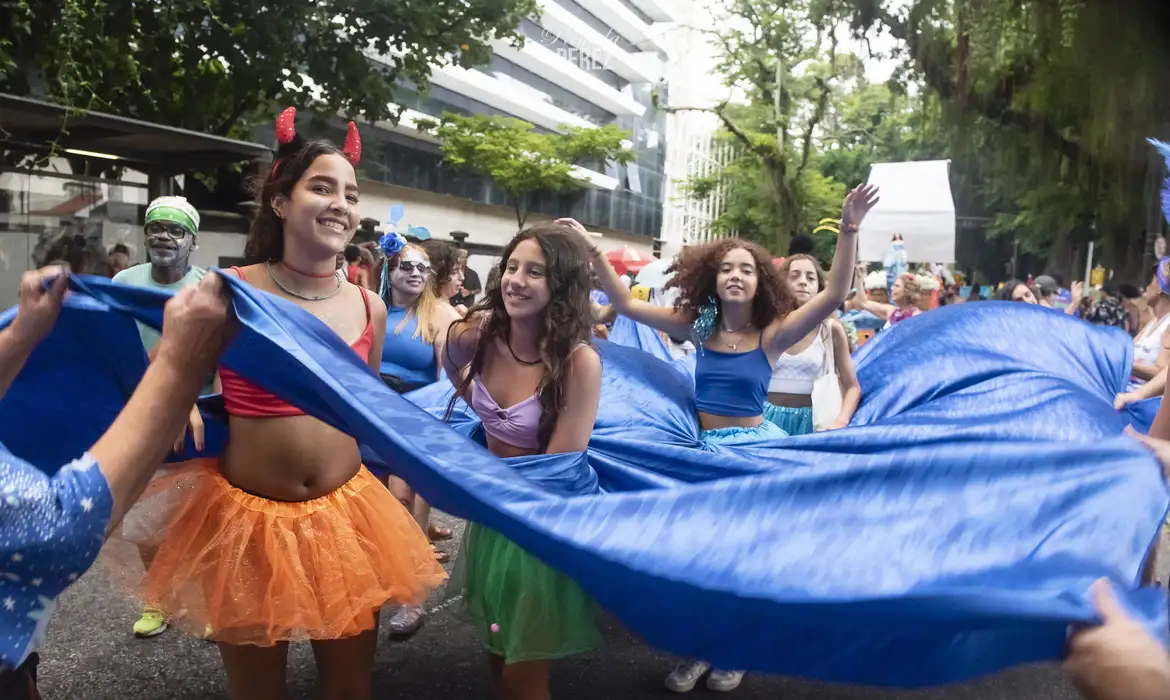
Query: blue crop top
405, 356
733, 384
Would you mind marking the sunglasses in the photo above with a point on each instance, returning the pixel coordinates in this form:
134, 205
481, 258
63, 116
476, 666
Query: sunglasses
162, 228
409, 267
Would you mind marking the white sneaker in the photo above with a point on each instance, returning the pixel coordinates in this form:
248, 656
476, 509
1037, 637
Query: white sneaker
724, 681
686, 675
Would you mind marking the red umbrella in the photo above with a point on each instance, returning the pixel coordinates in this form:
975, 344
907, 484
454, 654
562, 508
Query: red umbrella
628, 260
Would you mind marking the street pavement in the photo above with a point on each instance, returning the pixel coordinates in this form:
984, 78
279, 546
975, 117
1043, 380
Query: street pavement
92, 655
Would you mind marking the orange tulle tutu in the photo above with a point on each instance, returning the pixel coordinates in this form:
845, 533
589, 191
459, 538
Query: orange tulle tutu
246, 570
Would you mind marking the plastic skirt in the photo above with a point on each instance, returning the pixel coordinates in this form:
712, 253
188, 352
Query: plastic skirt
522, 609
242, 569
793, 421
730, 436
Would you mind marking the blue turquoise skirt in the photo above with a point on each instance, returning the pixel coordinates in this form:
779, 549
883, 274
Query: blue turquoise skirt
732, 436
794, 421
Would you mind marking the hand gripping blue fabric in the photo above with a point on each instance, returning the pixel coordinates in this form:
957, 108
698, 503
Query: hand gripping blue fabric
955, 532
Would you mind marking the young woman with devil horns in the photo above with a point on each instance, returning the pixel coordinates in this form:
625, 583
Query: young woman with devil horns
287, 536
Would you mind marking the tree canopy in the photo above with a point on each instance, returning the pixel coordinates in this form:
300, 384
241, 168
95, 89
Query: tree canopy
521, 160
1042, 106
220, 66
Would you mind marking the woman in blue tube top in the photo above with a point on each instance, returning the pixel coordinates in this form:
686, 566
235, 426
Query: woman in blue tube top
742, 317
416, 330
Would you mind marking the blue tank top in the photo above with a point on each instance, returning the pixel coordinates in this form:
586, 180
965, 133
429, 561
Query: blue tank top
405, 356
733, 384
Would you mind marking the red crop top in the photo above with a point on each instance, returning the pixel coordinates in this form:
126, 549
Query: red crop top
243, 398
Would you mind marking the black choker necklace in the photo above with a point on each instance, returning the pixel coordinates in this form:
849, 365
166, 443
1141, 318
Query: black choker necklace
508, 342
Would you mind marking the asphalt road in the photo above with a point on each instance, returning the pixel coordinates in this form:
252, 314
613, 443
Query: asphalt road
92, 655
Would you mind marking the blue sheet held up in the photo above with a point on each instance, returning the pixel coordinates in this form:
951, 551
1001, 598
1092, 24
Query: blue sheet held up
954, 532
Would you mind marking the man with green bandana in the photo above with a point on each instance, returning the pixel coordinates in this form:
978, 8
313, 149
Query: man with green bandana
171, 228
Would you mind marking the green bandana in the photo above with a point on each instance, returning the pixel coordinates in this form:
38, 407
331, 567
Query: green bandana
175, 210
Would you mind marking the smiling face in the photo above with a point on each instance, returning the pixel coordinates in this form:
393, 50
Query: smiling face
408, 278
1023, 293
524, 282
320, 214
736, 281
803, 280
170, 244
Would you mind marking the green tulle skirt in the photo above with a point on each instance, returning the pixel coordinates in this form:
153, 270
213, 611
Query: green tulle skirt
522, 609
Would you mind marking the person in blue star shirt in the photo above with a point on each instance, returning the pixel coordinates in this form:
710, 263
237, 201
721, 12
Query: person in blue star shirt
51, 528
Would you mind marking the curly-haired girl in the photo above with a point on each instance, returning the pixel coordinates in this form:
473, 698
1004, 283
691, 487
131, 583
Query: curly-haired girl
522, 360
904, 295
743, 318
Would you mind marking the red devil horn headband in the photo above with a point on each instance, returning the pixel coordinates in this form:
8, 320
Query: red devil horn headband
353, 145
286, 132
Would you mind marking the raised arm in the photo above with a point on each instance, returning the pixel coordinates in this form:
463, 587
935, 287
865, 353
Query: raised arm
676, 323
782, 333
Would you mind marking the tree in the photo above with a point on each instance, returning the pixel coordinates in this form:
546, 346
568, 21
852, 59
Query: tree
220, 66
522, 161
1046, 105
783, 56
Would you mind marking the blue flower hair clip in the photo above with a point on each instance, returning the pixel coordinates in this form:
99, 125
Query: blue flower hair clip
391, 243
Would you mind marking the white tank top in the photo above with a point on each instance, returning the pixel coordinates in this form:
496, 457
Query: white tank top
795, 374
1148, 345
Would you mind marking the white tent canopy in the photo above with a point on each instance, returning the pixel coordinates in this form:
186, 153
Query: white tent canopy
915, 202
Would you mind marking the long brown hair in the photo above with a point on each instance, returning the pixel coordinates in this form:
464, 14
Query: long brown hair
786, 269
697, 267
266, 235
444, 258
564, 326
424, 305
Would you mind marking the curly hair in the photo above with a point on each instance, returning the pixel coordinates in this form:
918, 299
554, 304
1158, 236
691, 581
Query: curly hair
697, 267
266, 235
565, 323
444, 258
787, 267
910, 287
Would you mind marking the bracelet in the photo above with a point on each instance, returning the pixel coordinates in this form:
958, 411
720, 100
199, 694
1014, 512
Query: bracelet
849, 227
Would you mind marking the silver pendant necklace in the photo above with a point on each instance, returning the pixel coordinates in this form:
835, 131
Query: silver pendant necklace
286, 290
734, 346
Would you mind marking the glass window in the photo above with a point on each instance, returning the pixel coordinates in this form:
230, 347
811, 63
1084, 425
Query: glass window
587, 58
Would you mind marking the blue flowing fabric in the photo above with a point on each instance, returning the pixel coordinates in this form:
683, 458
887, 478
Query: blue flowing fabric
953, 532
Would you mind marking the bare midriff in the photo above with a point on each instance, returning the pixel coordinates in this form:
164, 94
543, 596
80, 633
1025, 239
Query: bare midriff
708, 421
288, 458
790, 400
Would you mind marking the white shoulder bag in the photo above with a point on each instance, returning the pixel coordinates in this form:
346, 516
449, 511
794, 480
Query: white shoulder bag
826, 391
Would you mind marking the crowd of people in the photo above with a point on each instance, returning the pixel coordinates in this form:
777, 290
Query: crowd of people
288, 536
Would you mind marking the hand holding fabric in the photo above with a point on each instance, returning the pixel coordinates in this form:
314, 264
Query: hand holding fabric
39, 303
1117, 660
197, 326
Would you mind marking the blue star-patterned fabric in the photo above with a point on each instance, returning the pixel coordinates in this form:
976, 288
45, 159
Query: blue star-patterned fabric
51, 530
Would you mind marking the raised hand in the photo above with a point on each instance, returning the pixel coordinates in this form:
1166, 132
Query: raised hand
39, 304
858, 204
1077, 290
589, 239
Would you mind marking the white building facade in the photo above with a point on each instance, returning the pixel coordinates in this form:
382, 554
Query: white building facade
583, 63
